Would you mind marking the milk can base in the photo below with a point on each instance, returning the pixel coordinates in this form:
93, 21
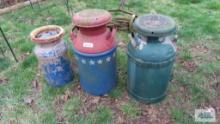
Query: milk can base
98, 94
146, 100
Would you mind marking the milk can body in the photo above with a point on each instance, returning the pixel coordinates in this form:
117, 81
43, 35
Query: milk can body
51, 52
151, 56
95, 51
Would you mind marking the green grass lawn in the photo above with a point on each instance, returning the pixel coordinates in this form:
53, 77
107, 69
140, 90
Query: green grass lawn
25, 98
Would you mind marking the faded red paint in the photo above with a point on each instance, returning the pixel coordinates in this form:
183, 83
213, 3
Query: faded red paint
93, 35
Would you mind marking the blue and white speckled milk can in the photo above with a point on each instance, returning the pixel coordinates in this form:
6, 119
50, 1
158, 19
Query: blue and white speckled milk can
51, 52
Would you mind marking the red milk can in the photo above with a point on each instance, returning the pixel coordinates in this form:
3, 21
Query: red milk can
94, 48
93, 35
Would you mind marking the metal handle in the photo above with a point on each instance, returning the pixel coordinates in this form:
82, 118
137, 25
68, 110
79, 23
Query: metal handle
175, 38
73, 35
134, 41
112, 33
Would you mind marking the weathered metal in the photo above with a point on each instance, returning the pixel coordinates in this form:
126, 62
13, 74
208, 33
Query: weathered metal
51, 51
97, 71
93, 35
94, 48
151, 55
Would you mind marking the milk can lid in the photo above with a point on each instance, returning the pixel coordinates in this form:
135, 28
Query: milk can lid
92, 18
155, 25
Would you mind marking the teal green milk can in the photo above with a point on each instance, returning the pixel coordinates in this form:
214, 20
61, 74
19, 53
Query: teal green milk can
151, 55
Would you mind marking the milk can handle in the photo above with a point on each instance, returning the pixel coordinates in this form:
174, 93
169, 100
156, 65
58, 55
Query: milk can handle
134, 41
112, 33
73, 35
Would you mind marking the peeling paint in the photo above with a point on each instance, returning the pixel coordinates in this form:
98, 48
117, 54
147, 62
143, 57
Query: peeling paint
54, 63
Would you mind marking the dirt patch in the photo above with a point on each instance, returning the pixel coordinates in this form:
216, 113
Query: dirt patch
59, 101
58, 107
189, 65
199, 49
216, 105
23, 56
201, 52
148, 113
33, 95
153, 114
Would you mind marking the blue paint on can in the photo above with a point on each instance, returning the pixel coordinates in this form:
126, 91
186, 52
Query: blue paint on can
58, 72
55, 63
97, 71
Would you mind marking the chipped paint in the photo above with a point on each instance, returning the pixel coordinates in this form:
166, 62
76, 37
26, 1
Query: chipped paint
97, 71
54, 63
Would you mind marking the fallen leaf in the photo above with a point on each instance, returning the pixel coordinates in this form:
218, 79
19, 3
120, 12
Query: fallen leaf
153, 114
122, 44
28, 100
66, 96
78, 87
120, 120
182, 89
218, 57
36, 85
95, 100
190, 65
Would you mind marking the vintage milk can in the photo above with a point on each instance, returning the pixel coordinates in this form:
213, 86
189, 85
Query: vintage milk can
51, 52
151, 55
95, 50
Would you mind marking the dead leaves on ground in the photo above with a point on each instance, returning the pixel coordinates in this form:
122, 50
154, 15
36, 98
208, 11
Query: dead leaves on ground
28, 101
189, 65
36, 86
3, 80
199, 49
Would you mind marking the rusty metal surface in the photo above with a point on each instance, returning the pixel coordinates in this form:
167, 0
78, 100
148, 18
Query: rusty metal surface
154, 24
92, 18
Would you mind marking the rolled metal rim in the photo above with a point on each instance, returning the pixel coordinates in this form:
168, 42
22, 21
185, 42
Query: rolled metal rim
155, 25
94, 54
90, 18
50, 39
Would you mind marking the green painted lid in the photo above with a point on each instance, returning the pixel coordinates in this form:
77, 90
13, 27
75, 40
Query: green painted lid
155, 25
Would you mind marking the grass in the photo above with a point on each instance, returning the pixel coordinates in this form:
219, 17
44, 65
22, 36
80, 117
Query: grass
198, 25
130, 109
181, 117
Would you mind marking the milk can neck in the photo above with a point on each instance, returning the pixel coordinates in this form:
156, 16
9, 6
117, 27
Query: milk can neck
93, 30
50, 44
153, 39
